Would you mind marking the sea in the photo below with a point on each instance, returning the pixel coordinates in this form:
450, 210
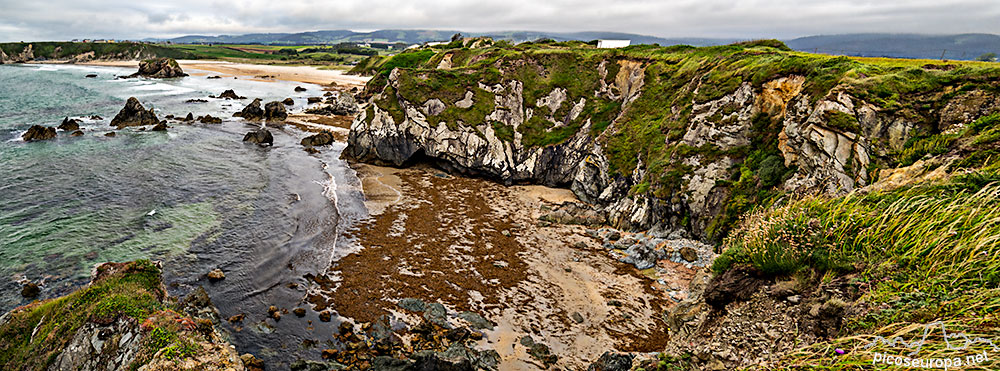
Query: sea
194, 197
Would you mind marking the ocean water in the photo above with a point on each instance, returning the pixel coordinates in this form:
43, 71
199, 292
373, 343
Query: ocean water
194, 197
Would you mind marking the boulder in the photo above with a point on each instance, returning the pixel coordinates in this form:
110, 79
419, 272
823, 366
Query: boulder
344, 102
134, 114
216, 275
261, 137
688, 254
610, 361
312, 100
76, 133
736, 284
69, 124
30, 290
288, 102
160, 127
321, 139
38, 132
299, 88
230, 94
252, 111
110, 134
275, 111
189, 117
159, 68
91, 76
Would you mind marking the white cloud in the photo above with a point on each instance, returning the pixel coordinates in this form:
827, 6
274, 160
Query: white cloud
67, 19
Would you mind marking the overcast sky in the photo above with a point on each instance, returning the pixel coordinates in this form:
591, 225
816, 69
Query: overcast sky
35, 20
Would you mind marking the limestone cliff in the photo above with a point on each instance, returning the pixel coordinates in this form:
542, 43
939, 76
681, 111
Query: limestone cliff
679, 139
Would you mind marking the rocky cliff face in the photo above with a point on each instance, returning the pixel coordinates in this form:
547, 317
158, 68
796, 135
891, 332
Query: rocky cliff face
679, 142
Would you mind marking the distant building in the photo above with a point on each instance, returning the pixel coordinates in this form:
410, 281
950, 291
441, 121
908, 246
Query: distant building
613, 43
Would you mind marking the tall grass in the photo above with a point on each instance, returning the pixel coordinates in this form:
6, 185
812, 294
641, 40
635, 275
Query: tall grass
923, 254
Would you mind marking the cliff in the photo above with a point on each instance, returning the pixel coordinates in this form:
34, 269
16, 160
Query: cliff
679, 139
75, 52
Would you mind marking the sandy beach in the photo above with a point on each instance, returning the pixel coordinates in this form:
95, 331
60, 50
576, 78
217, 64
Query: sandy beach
305, 74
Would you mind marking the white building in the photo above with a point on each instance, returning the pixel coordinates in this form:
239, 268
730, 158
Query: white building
613, 43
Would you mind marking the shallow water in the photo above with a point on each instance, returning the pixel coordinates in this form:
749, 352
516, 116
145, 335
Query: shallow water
195, 197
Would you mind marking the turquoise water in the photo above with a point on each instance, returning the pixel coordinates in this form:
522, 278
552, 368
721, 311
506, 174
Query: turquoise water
195, 197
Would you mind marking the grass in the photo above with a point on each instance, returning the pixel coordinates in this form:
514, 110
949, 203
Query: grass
925, 253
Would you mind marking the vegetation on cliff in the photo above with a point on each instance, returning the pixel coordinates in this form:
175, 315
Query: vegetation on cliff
644, 128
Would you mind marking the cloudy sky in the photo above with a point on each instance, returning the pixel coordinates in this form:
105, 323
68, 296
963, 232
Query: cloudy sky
67, 19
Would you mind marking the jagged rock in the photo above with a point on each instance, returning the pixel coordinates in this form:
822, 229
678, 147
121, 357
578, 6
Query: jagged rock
325, 316
159, 127
189, 117
69, 124
288, 102
30, 290
96, 118
275, 111
312, 100
252, 111
261, 137
320, 139
230, 94
236, 318
611, 361
196, 101
110, 134
411, 304
299, 312
38, 132
134, 114
209, 119
216, 275
252, 363
476, 321
159, 68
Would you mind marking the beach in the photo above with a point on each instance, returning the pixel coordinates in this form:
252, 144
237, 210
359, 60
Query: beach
304, 74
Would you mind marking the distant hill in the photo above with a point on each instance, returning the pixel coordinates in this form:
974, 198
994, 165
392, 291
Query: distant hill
958, 47
421, 36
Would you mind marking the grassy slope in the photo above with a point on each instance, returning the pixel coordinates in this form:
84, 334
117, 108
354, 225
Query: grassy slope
650, 128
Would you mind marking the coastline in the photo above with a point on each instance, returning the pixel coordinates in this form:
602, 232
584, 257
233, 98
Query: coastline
303, 74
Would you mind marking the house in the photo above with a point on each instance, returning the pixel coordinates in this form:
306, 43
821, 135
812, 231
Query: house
613, 43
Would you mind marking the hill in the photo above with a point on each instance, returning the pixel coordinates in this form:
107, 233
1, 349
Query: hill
955, 47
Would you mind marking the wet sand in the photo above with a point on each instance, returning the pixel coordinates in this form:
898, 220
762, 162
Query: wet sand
305, 74
474, 245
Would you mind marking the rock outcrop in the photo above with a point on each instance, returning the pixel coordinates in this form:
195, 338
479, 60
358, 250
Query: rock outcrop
159, 68
275, 111
38, 132
252, 111
320, 139
134, 114
69, 124
230, 94
118, 323
342, 104
261, 137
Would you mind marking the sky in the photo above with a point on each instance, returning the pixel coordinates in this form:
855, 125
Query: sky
38, 20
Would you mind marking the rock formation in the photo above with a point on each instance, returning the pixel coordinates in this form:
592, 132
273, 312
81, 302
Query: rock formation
275, 111
252, 111
159, 68
320, 139
230, 94
69, 124
38, 132
261, 137
134, 114
343, 104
